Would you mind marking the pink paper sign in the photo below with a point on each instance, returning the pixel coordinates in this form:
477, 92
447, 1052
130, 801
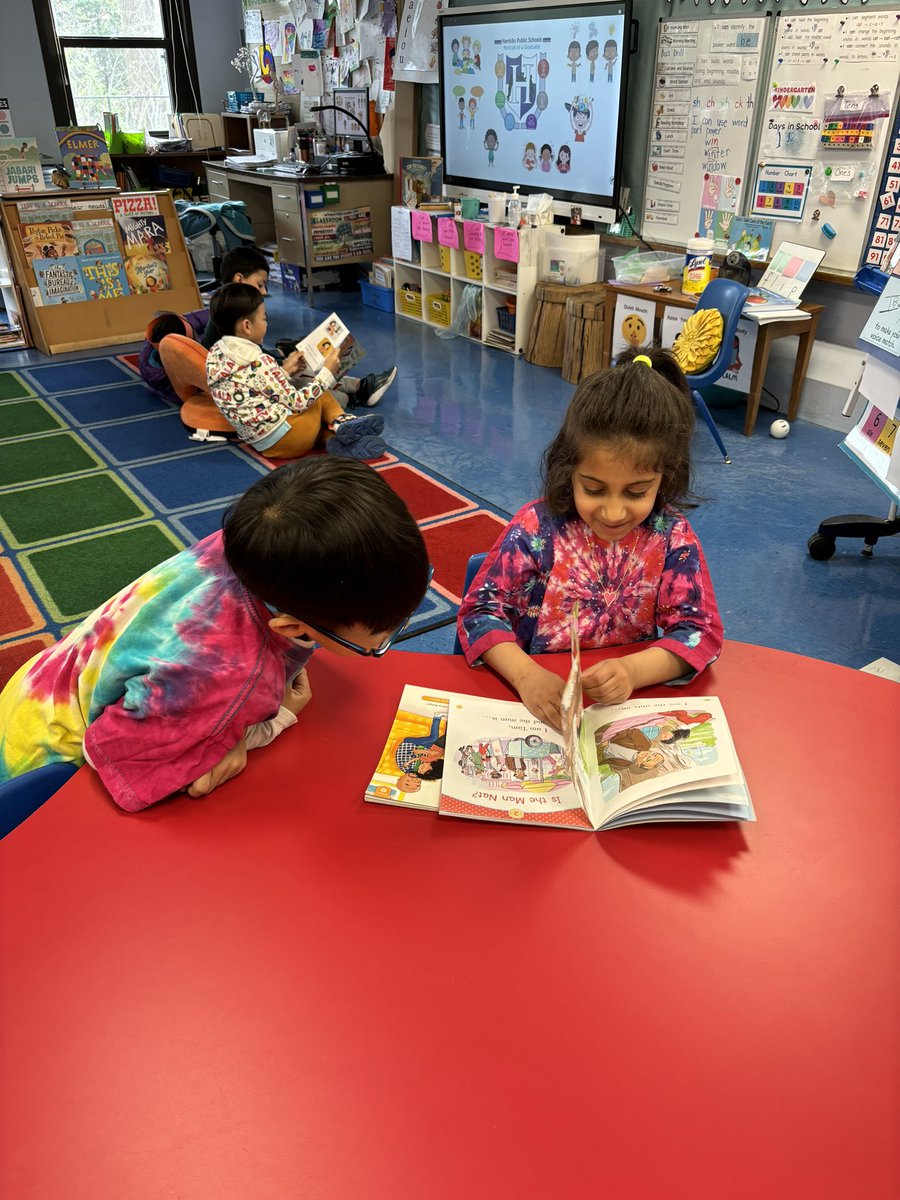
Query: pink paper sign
421, 226
506, 244
448, 234
473, 236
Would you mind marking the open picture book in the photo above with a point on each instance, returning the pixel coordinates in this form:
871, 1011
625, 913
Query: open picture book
331, 334
649, 760
781, 287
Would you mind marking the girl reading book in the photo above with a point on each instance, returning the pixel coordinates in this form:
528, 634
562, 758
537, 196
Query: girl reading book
609, 536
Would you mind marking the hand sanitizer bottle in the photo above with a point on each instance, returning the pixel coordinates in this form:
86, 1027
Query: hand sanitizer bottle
514, 209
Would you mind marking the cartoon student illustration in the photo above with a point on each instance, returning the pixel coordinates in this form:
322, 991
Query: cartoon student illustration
491, 142
611, 55
592, 53
564, 160
476, 54
581, 114
546, 156
454, 51
473, 109
462, 112
574, 57
529, 158
421, 757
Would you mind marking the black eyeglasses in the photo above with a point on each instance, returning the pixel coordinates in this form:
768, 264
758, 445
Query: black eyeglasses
366, 651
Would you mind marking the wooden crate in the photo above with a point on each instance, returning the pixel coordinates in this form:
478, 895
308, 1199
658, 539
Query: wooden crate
583, 336
547, 336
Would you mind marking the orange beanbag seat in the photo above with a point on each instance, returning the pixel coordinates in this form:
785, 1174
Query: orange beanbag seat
184, 361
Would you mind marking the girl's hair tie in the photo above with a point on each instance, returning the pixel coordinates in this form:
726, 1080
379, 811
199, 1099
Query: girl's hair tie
644, 359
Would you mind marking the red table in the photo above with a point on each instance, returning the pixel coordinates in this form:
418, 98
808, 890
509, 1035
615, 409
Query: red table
284, 992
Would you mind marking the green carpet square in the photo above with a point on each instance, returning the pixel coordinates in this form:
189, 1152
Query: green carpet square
44, 458
55, 510
26, 416
12, 386
75, 578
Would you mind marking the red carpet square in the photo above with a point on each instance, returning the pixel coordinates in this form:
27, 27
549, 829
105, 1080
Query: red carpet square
451, 544
15, 654
18, 613
130, 360
425, 498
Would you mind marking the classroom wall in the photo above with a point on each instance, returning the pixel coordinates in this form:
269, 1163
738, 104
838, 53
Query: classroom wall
217, 26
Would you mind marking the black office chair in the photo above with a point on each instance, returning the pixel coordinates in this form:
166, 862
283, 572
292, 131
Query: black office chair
728, 296
473, 566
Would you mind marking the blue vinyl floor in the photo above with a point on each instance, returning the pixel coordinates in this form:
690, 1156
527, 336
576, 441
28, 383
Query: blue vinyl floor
482, 418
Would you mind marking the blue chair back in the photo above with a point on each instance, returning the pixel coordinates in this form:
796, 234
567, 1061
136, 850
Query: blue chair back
473, 566
20, 797
728, 296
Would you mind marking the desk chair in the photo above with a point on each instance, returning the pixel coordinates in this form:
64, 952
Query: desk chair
22, 796
728, 296
184, 361
473, 566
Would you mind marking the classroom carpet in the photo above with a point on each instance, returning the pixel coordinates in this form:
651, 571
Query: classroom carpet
99, 482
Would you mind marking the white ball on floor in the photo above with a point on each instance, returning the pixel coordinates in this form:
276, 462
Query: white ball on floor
780, 428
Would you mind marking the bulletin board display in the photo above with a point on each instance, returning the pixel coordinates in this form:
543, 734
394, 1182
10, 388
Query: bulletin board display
706, 96
826, 126
884, 224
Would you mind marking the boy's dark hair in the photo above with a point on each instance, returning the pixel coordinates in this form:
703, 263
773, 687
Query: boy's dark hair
327, 540
242, 260
165, 323
645, 413
231, 303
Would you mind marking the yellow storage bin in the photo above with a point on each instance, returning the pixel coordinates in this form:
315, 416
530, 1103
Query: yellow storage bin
410, 298
445, 258
474, 265
438, 307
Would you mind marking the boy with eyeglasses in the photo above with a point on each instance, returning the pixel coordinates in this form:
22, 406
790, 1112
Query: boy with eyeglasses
166, 687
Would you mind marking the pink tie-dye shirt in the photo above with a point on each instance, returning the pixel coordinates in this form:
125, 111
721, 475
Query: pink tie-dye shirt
651, 586
156, 686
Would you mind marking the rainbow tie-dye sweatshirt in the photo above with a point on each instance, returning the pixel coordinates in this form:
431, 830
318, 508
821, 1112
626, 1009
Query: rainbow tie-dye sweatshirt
156, 686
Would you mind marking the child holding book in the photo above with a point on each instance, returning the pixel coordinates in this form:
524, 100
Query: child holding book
255, 395
168, 685
246, 264
608, 536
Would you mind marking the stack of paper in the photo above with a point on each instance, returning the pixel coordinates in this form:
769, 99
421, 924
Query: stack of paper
781, 288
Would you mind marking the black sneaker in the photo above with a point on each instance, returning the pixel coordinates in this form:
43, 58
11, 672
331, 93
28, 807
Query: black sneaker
372, 388
285, 346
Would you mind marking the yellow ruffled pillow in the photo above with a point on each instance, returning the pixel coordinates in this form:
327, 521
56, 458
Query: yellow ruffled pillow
699, 341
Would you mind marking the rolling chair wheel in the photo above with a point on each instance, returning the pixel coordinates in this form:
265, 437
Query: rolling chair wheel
820, 547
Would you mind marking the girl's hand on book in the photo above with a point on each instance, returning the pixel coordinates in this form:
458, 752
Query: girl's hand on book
333, 363
541, 692
608, 682
297, 694
293, 363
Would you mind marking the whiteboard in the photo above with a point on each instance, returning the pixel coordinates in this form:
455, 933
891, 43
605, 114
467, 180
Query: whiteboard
825, 51
705, 100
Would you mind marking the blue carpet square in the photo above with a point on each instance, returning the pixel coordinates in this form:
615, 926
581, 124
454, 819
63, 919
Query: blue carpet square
150, 438
216, 475
196, 526
108, 404
68, 377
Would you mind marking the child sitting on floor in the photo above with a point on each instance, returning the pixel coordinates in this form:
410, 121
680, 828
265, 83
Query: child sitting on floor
246, 264
607, 535
153, 373
168, 685
256, 396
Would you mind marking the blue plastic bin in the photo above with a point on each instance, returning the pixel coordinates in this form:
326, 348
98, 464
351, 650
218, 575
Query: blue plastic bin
377, 297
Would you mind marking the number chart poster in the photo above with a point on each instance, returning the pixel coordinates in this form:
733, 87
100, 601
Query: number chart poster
885, 226
781, 191
529, 103
342, 234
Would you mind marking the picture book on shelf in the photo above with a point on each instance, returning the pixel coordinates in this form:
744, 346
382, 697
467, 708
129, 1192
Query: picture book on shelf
85, 155
144, 234
48, 239
20, 165
331, 333
147, 273
96, 236
421, 180
36, 211
59, 280
648, 760
103, 276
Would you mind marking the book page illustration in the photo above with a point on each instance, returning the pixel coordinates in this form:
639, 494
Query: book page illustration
331, 334
411, 767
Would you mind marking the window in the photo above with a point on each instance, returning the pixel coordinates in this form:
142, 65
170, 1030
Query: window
131, 57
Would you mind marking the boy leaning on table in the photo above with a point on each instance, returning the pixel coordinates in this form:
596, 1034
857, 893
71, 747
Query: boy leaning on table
166, 686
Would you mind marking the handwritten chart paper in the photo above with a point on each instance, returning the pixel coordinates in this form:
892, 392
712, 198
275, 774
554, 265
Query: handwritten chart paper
401, 239
421, 226
473, 236
448, 234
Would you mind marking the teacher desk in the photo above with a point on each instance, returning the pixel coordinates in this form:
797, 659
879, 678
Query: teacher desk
768, 332
282, 991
